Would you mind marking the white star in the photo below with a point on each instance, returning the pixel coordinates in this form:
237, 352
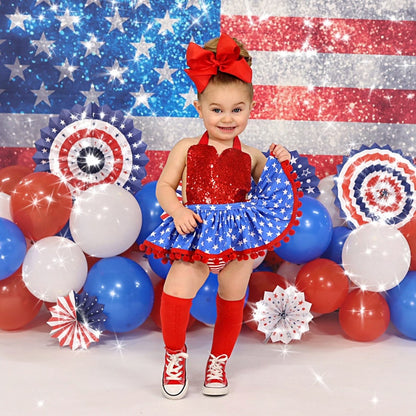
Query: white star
17, 19
189, 97
92, 95
43, 1
117, 22
310, 189
193, 3
140, 2
165, 73
96, 2
66, 70
142, 48
17, 69
43, 45
42, 95
141, 97
166, 24
92, 46
67, 21
116, 72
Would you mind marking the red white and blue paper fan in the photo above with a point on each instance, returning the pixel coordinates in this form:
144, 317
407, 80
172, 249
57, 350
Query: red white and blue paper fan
283, 315
77, 320
92, 145
376, 184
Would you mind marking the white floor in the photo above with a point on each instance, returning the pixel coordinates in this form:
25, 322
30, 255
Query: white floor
323, 374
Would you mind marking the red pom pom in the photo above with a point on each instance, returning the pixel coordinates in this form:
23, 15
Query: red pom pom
286, 239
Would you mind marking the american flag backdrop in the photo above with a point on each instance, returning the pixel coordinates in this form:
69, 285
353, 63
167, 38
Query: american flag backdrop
329, 76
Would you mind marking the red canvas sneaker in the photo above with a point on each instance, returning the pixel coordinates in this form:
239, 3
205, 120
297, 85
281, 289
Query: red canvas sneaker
174, 381
216, 383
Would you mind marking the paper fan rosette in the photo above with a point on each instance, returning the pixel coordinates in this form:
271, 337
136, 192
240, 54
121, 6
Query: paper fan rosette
92, 145
283, 315
376, 184
77, 320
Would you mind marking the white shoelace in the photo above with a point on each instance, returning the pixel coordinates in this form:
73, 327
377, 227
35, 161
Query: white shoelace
216, 365
175, 366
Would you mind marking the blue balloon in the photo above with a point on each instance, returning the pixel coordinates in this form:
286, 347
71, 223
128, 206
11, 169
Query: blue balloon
151, 210
160, 268
65, 232
204, 304
402, 303
12, 248
312, 235
125, 290
334, 250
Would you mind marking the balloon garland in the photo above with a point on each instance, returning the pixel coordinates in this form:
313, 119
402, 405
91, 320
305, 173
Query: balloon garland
92, 145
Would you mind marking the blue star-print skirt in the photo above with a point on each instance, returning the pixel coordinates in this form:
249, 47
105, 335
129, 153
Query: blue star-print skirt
238, 230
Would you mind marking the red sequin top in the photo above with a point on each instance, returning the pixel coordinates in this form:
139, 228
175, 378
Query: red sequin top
217, 179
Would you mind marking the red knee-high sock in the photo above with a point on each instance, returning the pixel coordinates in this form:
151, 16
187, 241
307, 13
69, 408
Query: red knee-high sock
227, 326
174, 316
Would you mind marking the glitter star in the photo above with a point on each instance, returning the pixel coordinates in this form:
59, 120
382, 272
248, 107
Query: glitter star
18, 20
141, 97
166, 24
17, 69
193, 3
116, 22
67, 21
116, 72
43, 45
92, 46
96, 2
92, 95
189, 97
165, 73
66, 70
42, 95
142, 48
144, 2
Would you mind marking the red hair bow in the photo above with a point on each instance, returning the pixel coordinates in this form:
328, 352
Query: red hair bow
204, 64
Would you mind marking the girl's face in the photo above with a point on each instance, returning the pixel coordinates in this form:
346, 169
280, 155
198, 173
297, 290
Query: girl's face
225, 109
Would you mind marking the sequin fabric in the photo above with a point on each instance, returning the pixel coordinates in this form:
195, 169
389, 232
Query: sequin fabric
213, 178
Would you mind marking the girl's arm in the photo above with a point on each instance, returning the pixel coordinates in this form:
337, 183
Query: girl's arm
184, 219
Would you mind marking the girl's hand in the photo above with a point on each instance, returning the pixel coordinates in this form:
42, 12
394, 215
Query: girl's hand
185, 220
279, 152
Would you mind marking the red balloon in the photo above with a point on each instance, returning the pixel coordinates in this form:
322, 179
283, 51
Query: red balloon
18, 306
259, 283
364, 315
409, 232
324, 284
10, 176
155, 313
40, 205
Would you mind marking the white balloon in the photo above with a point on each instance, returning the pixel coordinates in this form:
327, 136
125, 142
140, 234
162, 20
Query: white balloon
105, 220
376, 256
327, 198
53, 267
5, 206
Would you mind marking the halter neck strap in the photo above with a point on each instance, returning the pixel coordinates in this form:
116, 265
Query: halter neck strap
236, 142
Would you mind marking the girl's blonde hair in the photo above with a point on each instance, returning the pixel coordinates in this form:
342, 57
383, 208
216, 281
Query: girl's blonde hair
223, 78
